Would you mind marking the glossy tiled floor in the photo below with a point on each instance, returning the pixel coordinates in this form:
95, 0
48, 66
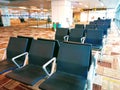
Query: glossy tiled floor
108, 74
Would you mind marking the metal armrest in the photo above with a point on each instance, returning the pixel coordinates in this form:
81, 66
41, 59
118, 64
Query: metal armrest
83, 39
53, 66
96, 56
92, 66
66, 38
90, 77
104, 40
4, 55
26, 59
91, 71
91, 74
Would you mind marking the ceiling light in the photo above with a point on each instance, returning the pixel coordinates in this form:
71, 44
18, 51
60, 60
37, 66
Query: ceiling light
45, 10
22, 7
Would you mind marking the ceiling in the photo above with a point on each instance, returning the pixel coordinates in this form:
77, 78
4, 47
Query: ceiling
27, 3
96, 3
46, 4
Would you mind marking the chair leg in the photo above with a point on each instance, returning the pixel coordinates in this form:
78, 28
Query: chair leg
100, 55
89, 85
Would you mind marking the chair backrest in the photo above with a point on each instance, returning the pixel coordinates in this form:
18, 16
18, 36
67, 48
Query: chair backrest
80, 26
16, 46
29, 41
57, 45
108, 22
76, 35
74, 58
60, 33
94, 37
104, 28
92, 23
41, 51
90, 27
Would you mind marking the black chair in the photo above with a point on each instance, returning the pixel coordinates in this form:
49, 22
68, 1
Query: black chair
15, 47
57, 45
61, 33
104, 28
79, 26
73, 64
41, 51
95, 37
108, 23
76, 35
29, 41
90, 27
92, 23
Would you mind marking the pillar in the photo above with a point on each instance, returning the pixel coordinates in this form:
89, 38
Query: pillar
62, 12
5, 16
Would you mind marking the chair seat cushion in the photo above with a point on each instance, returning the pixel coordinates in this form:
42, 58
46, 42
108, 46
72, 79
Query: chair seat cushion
64, 81
30, 74
6, 65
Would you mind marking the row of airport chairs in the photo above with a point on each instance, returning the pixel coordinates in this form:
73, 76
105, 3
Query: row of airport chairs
103, 25
80, 32
94, 24
32, 60
93, 37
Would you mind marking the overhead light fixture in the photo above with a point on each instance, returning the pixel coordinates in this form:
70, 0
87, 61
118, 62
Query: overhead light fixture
45, 10
22, 7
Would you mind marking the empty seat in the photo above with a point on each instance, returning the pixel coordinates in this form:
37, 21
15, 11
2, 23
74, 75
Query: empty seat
73, 63
95, 37
15, 47
41, 51
57, 45
61, 33
76, 35
29, 41
92, 23
80, 26
104, 28
90, 27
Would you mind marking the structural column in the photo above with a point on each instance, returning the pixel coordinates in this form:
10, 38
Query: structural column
62, 12
5, 16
